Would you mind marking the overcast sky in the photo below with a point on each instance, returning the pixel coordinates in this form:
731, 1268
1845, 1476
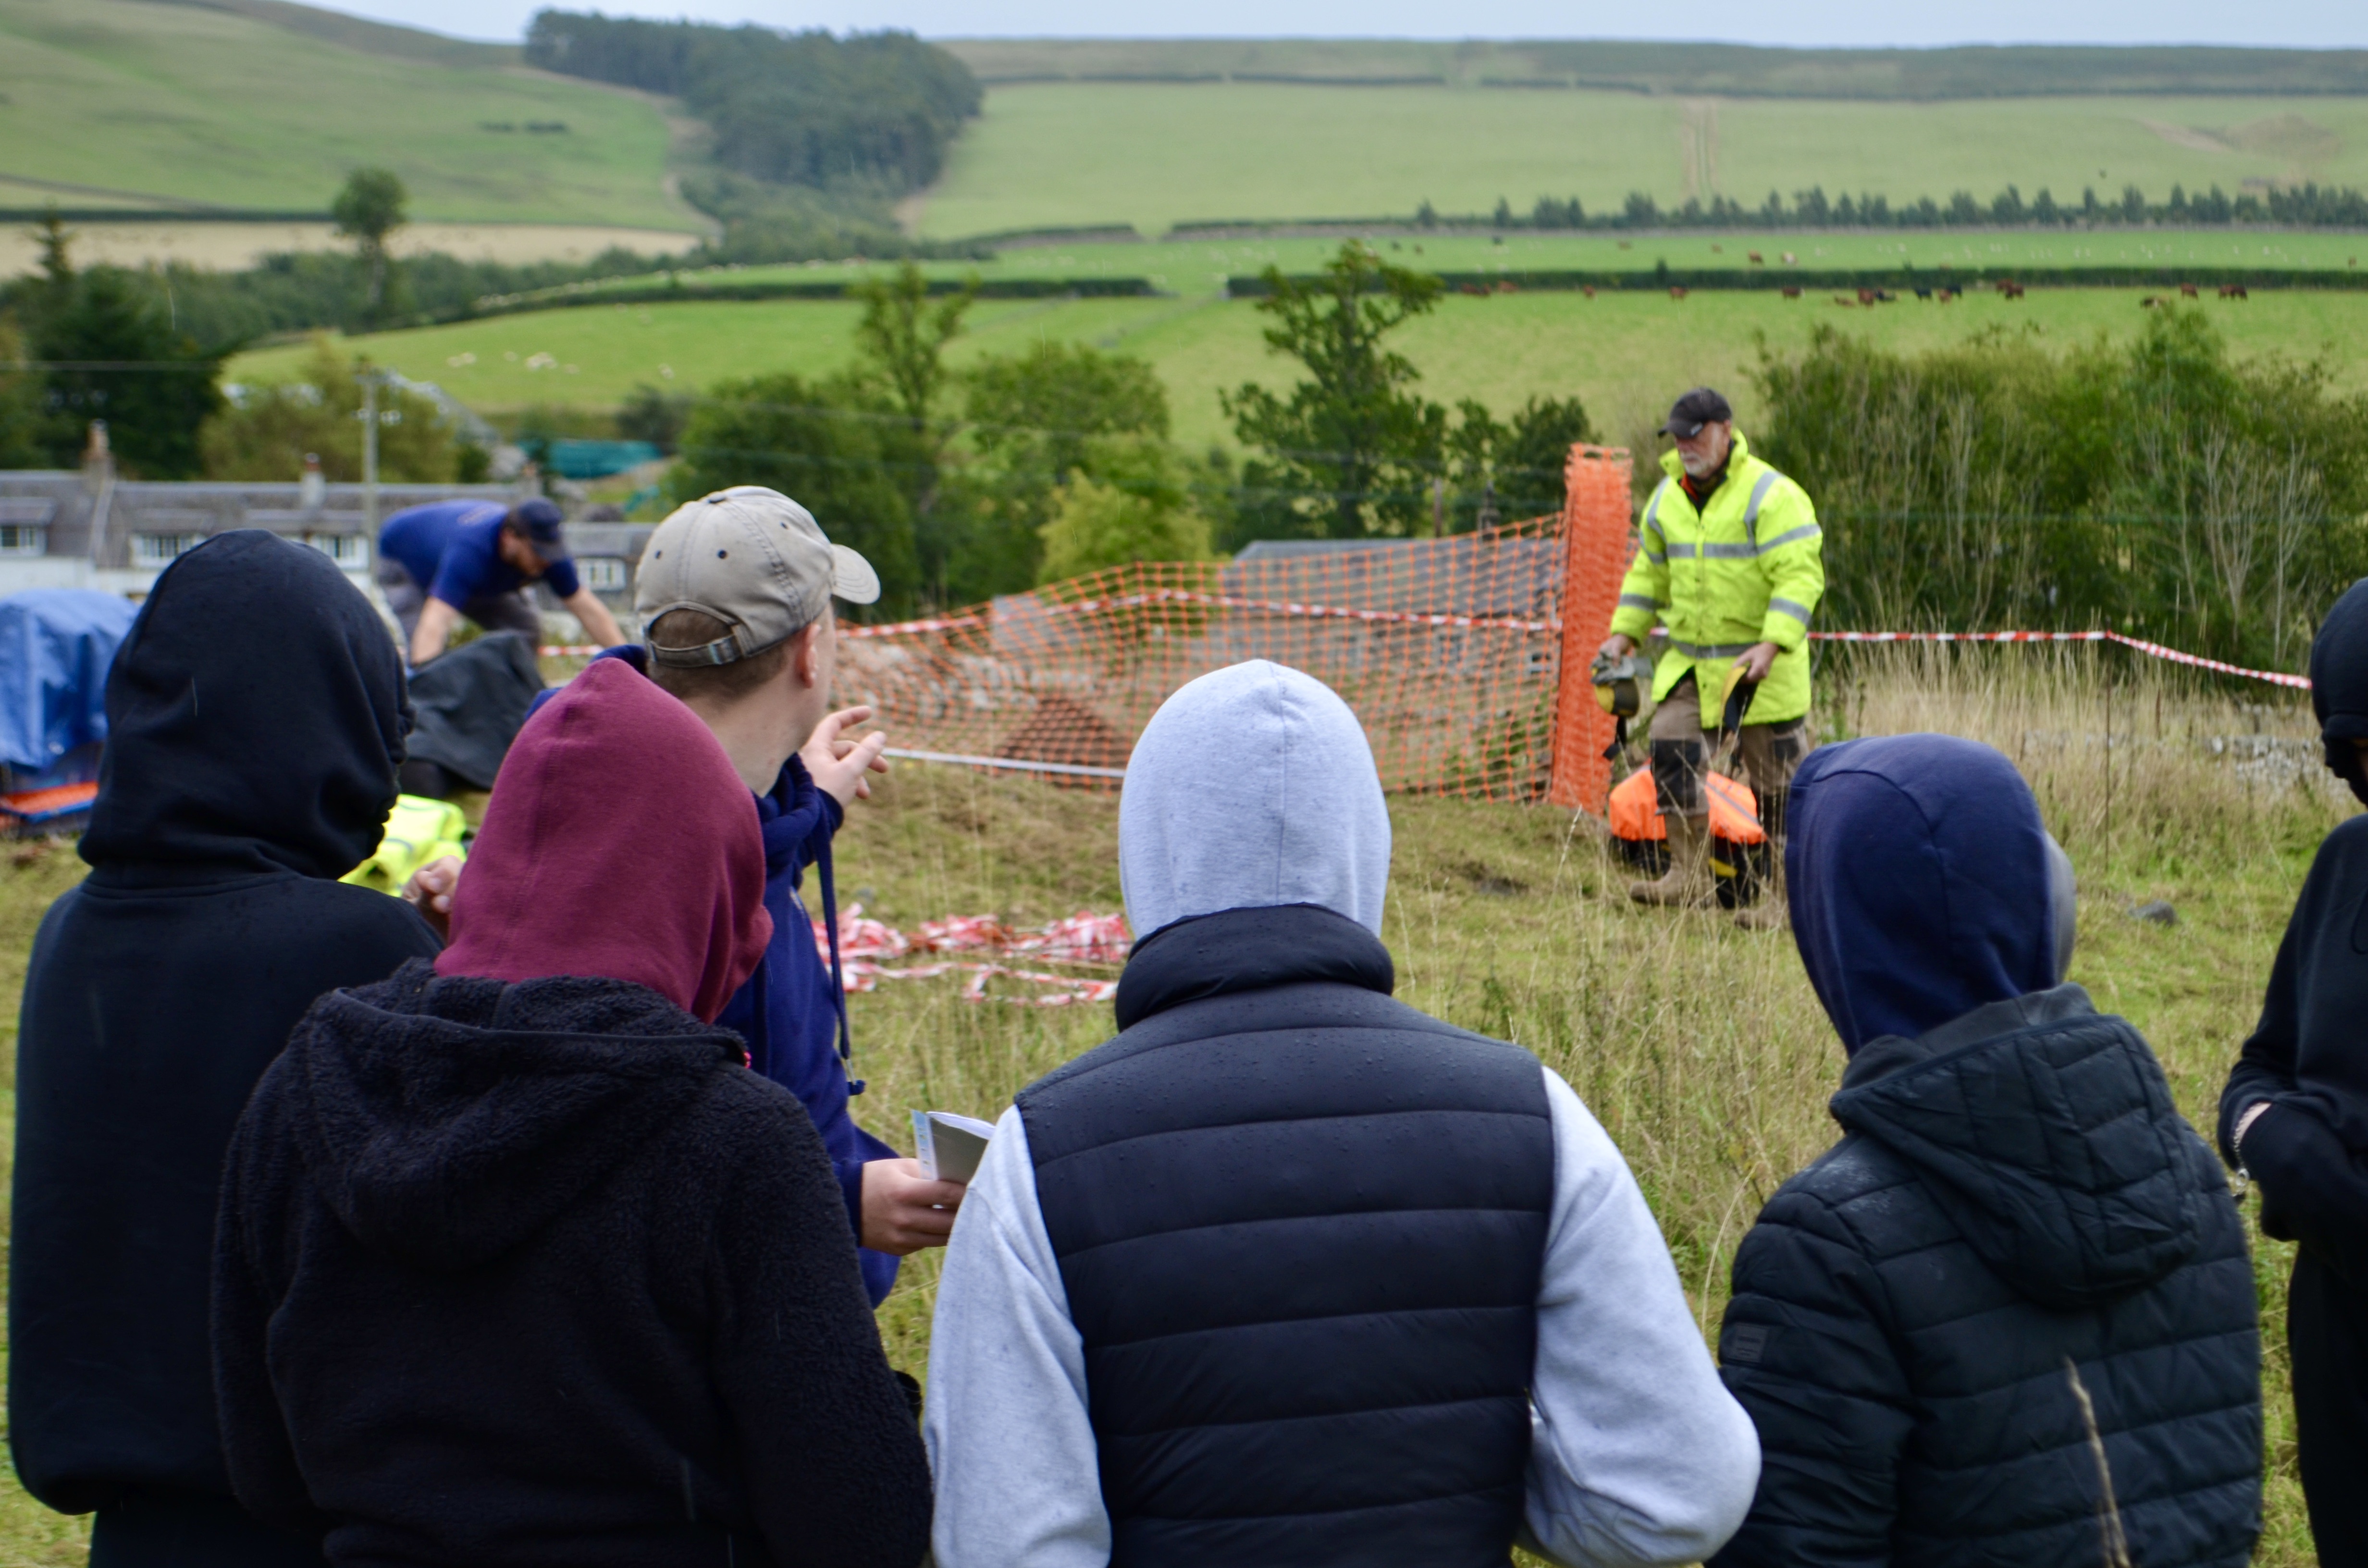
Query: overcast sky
2309, 24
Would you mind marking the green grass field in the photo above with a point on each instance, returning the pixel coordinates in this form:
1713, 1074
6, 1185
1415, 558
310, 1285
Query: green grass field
1699, 1046
197, 103
1158, 153
1625, 354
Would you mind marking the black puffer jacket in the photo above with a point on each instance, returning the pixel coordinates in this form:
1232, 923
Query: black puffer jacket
539, 1273
2016, 1192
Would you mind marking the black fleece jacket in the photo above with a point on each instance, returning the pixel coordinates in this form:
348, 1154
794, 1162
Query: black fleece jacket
539, 1273
2016, 1196
256, 718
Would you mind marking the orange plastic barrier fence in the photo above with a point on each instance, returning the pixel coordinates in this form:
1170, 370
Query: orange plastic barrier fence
1466, 657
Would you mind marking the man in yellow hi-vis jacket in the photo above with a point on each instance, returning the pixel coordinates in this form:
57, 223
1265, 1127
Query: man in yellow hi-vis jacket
1728, 559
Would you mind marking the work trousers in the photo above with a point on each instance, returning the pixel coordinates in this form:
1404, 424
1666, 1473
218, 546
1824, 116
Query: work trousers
495, 612
1766, 755
2326, 1332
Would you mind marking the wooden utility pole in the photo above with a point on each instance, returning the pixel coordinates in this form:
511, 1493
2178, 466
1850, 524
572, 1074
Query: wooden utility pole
369, 379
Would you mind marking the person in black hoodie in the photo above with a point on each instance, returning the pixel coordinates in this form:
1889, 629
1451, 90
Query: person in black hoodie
2294, 1115
2015, 1202
519, 1263
256, 718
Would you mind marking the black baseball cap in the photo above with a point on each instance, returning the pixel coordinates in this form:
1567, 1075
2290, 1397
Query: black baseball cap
539, 520
1699, 407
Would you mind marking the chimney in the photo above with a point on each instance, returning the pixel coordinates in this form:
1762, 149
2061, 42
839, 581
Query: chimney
313, 489
97, 462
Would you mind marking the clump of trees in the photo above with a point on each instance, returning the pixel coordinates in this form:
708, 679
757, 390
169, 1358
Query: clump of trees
1354, 449
2158, 487
102, 345
266, 432
960, 486
870, 110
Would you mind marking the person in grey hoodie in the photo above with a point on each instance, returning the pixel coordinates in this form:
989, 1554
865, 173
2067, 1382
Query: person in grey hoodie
2018, 1248
1289, 1273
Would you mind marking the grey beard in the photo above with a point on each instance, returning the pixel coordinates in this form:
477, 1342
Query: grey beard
1696, 468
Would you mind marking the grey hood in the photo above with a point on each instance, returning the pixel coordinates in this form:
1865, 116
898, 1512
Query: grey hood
1252, 787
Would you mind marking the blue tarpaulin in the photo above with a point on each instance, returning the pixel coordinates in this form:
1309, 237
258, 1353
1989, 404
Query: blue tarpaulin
55, 647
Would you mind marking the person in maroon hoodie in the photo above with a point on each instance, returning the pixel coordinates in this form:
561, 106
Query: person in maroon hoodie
518, 1263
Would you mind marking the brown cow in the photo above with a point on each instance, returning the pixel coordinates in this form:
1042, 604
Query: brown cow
1588, 290
2233, 291
2010, 289
1676, 293
1756, 259
1866, 295
1790, 293
2187, 290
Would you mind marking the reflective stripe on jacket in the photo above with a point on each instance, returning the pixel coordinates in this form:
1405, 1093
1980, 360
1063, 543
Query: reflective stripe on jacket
1747, 570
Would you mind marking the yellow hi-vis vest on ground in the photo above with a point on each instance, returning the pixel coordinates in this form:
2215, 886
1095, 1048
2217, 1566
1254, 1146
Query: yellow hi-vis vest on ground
418, 830
1747, 570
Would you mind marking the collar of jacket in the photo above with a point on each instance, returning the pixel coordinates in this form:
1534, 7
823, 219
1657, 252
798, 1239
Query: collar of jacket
1248, 950
1738, 454
1885, 1054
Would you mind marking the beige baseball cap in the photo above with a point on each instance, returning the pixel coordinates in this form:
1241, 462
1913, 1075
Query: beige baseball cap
752, 559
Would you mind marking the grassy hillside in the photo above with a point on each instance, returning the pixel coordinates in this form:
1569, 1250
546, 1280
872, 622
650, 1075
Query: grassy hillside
231, 108
1158, 153
1625, 354
1647, 67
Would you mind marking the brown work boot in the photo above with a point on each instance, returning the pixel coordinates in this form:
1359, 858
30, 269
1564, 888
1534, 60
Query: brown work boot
1687, 884
1772, 912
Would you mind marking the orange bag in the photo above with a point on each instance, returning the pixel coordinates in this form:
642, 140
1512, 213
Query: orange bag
1739, 845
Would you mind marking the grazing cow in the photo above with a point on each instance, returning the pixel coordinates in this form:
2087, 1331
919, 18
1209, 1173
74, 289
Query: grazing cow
2012, 291
1480, 289
1925, 294
1676, 293
1588, 290
1756, 259
1507, 286
1846, 301
1866, 295
1790, 291
2187, 290
2233, 291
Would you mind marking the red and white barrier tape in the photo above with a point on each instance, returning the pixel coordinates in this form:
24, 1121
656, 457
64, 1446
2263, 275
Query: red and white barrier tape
2154, 650
865, 945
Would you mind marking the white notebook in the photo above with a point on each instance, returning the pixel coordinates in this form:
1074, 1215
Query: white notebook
951, 1146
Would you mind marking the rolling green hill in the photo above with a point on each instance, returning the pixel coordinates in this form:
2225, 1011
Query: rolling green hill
1155, 154
235, 104
1625, 354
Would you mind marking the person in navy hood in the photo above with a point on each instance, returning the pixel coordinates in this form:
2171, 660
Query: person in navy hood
2015, 1203
2294, 1115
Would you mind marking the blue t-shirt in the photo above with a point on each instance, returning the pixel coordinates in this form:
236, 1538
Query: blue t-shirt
452, 548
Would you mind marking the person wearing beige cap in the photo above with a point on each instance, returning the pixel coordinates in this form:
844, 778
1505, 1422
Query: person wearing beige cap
732, 599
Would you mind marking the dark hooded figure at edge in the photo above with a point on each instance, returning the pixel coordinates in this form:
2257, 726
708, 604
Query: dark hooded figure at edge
2294, 1115
2014, 1198
257, 718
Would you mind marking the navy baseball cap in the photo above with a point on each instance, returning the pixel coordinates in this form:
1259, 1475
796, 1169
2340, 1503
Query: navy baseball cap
539, 520
1699, 407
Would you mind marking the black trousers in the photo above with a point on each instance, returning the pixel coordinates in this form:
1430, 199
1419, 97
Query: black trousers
188, 1530
2327, 1330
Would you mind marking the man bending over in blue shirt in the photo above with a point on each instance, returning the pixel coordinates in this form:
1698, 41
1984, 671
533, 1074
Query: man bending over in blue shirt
450, 559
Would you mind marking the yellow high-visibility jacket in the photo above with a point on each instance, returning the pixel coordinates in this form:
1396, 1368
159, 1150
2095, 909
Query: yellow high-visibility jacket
1747, 570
